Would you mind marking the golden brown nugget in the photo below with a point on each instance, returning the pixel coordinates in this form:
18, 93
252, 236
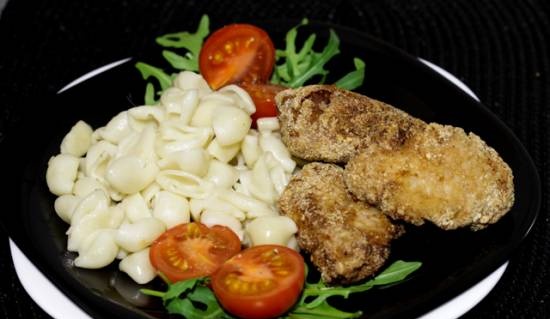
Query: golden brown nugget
325, 123
441, 174
347, 240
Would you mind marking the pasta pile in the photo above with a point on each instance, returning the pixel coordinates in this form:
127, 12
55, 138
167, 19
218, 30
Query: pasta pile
193, 157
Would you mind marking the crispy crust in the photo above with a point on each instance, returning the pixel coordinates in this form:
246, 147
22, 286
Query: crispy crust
325, 123
347, 240
440, 174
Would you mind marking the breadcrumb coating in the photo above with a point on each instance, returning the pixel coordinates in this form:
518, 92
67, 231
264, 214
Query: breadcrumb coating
348, 240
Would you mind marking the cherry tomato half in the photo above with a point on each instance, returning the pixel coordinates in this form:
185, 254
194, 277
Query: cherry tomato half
193, 250
237, 53
260, 282
263, 96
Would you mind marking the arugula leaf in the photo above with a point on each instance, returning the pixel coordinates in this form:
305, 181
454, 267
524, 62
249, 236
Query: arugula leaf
148, 71
354, 79
190, 41
314, 297
300, 66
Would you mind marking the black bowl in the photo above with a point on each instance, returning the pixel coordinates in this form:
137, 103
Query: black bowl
452, 260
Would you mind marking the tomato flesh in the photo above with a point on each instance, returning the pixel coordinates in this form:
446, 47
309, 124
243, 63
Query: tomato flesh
237, 53
260, 282
192, 250
263, 96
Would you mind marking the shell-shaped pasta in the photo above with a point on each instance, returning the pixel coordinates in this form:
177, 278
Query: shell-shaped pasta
139, 144
135, 208
95, 201
182, 103
86, 185
270, 143
180, 138
230, 124
131, 174
150, 192
250, 148
188, 80
204, 113
140, 117
117, 128
268, 124
116, 216
223, 153
139, 235
97, 250
241, 97
171, 100
279, 178
251, 206
78, 140
276, 230
79, 231
65, 205
214, 204
221, 98
171, 209
121, 254
211, 218
182, 183
193, 161
261, 186
138, 267
61, 173
221, 174
97, 159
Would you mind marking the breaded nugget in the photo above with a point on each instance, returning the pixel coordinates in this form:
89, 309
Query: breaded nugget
325, 123
440, 174
347, 240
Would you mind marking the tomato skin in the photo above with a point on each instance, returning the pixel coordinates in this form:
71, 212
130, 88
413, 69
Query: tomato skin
253, 287
263, 96
237, 53
192, 250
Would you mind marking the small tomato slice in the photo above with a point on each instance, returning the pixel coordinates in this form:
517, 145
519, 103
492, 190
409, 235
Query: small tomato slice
236, 53
193, 250
263, 96
260, 282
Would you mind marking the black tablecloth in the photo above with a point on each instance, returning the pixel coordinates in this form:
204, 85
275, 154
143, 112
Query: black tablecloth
500, 49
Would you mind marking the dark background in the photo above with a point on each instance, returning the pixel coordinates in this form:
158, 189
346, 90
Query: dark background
500, 49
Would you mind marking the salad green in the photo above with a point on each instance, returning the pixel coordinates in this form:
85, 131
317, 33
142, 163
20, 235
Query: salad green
193, 299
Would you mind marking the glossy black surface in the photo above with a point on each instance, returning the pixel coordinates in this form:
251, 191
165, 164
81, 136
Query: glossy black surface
452, 261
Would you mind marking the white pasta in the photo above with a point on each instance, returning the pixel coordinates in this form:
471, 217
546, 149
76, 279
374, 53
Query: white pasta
230, 124
97, 250
211, 218
61, 173
138, 267
65, 205
117, 128
131, 174
143, 116
139, 235
276, 230
171, 209
241, 98
193, 157
183, 183
193, 161
78, 140
250, 149
221, 174
135, 208
223, 153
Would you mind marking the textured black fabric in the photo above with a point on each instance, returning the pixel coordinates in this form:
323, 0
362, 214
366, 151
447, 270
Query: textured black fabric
500, 49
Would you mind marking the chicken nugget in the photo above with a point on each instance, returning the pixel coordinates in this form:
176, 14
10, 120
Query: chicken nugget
347, 240
328, 124
440, 174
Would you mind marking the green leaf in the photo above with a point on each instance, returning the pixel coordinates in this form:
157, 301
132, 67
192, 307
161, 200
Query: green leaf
353, 79
180, 287
148, 71
192, 42
397, 271
323, 310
